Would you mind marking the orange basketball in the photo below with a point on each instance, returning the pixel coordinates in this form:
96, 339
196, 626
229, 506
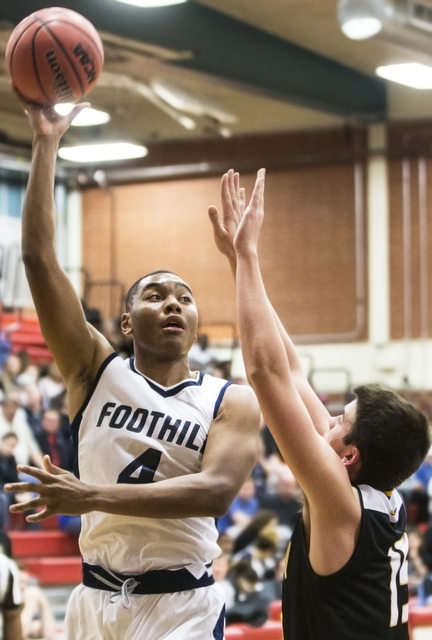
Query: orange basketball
54, 55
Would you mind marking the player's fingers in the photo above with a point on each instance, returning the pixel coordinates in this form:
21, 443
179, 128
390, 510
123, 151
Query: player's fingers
35, 472
19, 507
51, 468
77, 109
22, 487
40, 515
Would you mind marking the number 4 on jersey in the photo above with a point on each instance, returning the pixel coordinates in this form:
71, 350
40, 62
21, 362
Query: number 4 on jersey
148, 462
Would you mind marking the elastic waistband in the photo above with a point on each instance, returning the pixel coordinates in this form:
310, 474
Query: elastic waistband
162, 581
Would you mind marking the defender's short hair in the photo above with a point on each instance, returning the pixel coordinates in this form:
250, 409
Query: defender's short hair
391, 434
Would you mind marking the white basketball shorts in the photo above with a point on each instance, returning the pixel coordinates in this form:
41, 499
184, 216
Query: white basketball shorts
186, 615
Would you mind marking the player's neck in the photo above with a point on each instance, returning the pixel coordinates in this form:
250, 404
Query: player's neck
165, 373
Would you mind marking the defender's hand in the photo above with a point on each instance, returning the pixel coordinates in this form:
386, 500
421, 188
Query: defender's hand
225, 224
247, 234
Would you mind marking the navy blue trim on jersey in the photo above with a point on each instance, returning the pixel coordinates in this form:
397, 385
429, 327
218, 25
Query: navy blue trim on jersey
218, 631
167, 393
220, 398
76, 422
161, 581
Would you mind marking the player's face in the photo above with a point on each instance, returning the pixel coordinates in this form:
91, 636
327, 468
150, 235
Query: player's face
340, 427
164, 316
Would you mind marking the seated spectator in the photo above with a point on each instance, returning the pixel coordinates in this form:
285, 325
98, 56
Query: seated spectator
61, 404
250, 606
201, 356
8, 473
33, 406
241, 511
9, 373
12, 418
50, 385
417, 569
264, 522
285, 503
262, 556
52, 441
37, 619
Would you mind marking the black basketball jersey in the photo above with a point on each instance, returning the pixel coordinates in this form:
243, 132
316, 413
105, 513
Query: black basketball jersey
365, 600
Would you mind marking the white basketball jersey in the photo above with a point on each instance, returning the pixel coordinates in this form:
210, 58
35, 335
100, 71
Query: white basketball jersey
133, 430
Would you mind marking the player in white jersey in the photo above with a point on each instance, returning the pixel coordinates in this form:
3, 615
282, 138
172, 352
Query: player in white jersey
161, 450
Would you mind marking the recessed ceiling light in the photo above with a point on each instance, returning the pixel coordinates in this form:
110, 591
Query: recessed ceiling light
152, 3
86, 118
362, 19
103, 152
411, 74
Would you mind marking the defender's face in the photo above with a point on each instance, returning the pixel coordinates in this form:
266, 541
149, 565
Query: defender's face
164, 317
340, 426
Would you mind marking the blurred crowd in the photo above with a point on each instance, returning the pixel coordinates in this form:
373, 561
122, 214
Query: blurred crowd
255, 532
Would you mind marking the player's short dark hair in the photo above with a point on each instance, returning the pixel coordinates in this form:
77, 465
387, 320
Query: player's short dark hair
391, 434
134, 288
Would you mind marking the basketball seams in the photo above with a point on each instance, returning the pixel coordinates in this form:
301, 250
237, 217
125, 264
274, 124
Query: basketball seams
65, 53
34, 22
35, 68
83, 33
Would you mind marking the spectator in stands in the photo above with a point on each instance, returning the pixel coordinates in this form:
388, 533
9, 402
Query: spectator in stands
241, 511
5, 348
37, 619
33, 406
10, 599
61, 404
417, 569
52, 441
9, 373
201, 356
285, 503
262, 556
8, 473
12, 418
419, 499
250, 606
264, 522
51, 385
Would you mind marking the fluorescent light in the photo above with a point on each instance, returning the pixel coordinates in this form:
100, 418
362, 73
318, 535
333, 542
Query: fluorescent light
152, 3
103, 152
362, 19
361, 28
86, 118
411, 74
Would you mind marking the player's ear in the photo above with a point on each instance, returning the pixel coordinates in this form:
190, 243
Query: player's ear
352, 458
126, 325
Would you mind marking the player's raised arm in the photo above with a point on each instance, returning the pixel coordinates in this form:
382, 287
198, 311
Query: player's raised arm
76, 348
225, 224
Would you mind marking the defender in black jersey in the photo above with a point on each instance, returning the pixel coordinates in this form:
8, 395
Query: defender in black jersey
347, 562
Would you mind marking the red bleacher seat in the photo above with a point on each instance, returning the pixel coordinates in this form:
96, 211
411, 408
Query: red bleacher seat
50, 571
43, 543
271, 630
420, 616
275, 610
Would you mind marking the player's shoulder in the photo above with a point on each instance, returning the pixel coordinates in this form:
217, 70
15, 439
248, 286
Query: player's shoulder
240, 398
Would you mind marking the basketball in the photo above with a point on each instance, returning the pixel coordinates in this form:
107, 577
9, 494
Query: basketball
54, 55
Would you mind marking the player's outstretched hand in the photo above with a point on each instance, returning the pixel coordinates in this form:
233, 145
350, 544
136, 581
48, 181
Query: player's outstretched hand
225, 224
47, 123
247, 234
60, 492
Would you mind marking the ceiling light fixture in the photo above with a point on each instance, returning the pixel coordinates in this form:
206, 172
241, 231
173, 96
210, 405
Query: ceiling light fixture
86, 118
362, 19
411, 74
108, 152
152, 3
